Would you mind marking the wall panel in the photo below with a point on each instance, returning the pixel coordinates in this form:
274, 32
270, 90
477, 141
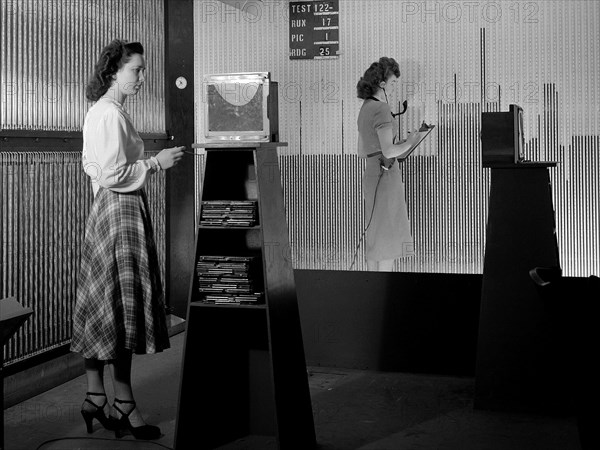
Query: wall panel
45, 198
49, 49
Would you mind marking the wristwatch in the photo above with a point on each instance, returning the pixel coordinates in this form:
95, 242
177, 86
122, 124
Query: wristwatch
157, 167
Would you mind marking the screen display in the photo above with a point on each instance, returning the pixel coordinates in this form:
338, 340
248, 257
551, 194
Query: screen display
236, 107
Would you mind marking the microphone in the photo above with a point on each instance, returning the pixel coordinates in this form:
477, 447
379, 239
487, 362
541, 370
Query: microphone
404, 108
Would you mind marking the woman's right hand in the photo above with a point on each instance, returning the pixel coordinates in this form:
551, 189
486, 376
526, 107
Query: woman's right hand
413, 137
169, 157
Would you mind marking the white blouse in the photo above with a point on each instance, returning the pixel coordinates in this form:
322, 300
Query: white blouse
113, 151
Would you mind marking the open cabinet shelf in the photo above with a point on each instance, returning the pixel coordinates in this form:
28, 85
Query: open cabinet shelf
244, 372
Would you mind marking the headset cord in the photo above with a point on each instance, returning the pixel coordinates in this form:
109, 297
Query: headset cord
369, 223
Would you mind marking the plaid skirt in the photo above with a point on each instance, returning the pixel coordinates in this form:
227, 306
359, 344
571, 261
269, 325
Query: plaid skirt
120, 303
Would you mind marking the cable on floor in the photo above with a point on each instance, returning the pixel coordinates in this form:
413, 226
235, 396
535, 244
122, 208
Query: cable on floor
101, 439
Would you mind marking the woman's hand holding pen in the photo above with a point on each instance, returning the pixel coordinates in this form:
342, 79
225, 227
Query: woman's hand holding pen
413, 137
169, 157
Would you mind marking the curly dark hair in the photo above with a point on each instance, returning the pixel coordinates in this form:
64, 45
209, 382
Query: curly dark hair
379, 71
112, 58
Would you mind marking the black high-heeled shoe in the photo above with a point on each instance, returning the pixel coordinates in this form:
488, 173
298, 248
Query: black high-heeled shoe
108, 422
146, 432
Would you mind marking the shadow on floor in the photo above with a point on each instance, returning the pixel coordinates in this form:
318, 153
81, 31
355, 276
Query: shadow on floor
353, 409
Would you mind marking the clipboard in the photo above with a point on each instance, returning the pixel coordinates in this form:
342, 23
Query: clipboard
422, 135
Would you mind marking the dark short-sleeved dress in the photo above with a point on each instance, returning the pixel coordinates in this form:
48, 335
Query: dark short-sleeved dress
386, 214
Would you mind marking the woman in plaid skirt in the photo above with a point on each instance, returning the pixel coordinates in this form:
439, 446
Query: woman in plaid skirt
120, 307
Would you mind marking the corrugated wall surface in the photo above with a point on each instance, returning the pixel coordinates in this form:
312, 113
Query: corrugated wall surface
45, 198
457, 60
49, 48
48, 52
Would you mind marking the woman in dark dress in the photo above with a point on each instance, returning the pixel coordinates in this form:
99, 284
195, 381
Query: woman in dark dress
388, 234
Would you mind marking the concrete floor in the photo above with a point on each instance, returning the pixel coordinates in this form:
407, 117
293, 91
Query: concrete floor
353, 410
